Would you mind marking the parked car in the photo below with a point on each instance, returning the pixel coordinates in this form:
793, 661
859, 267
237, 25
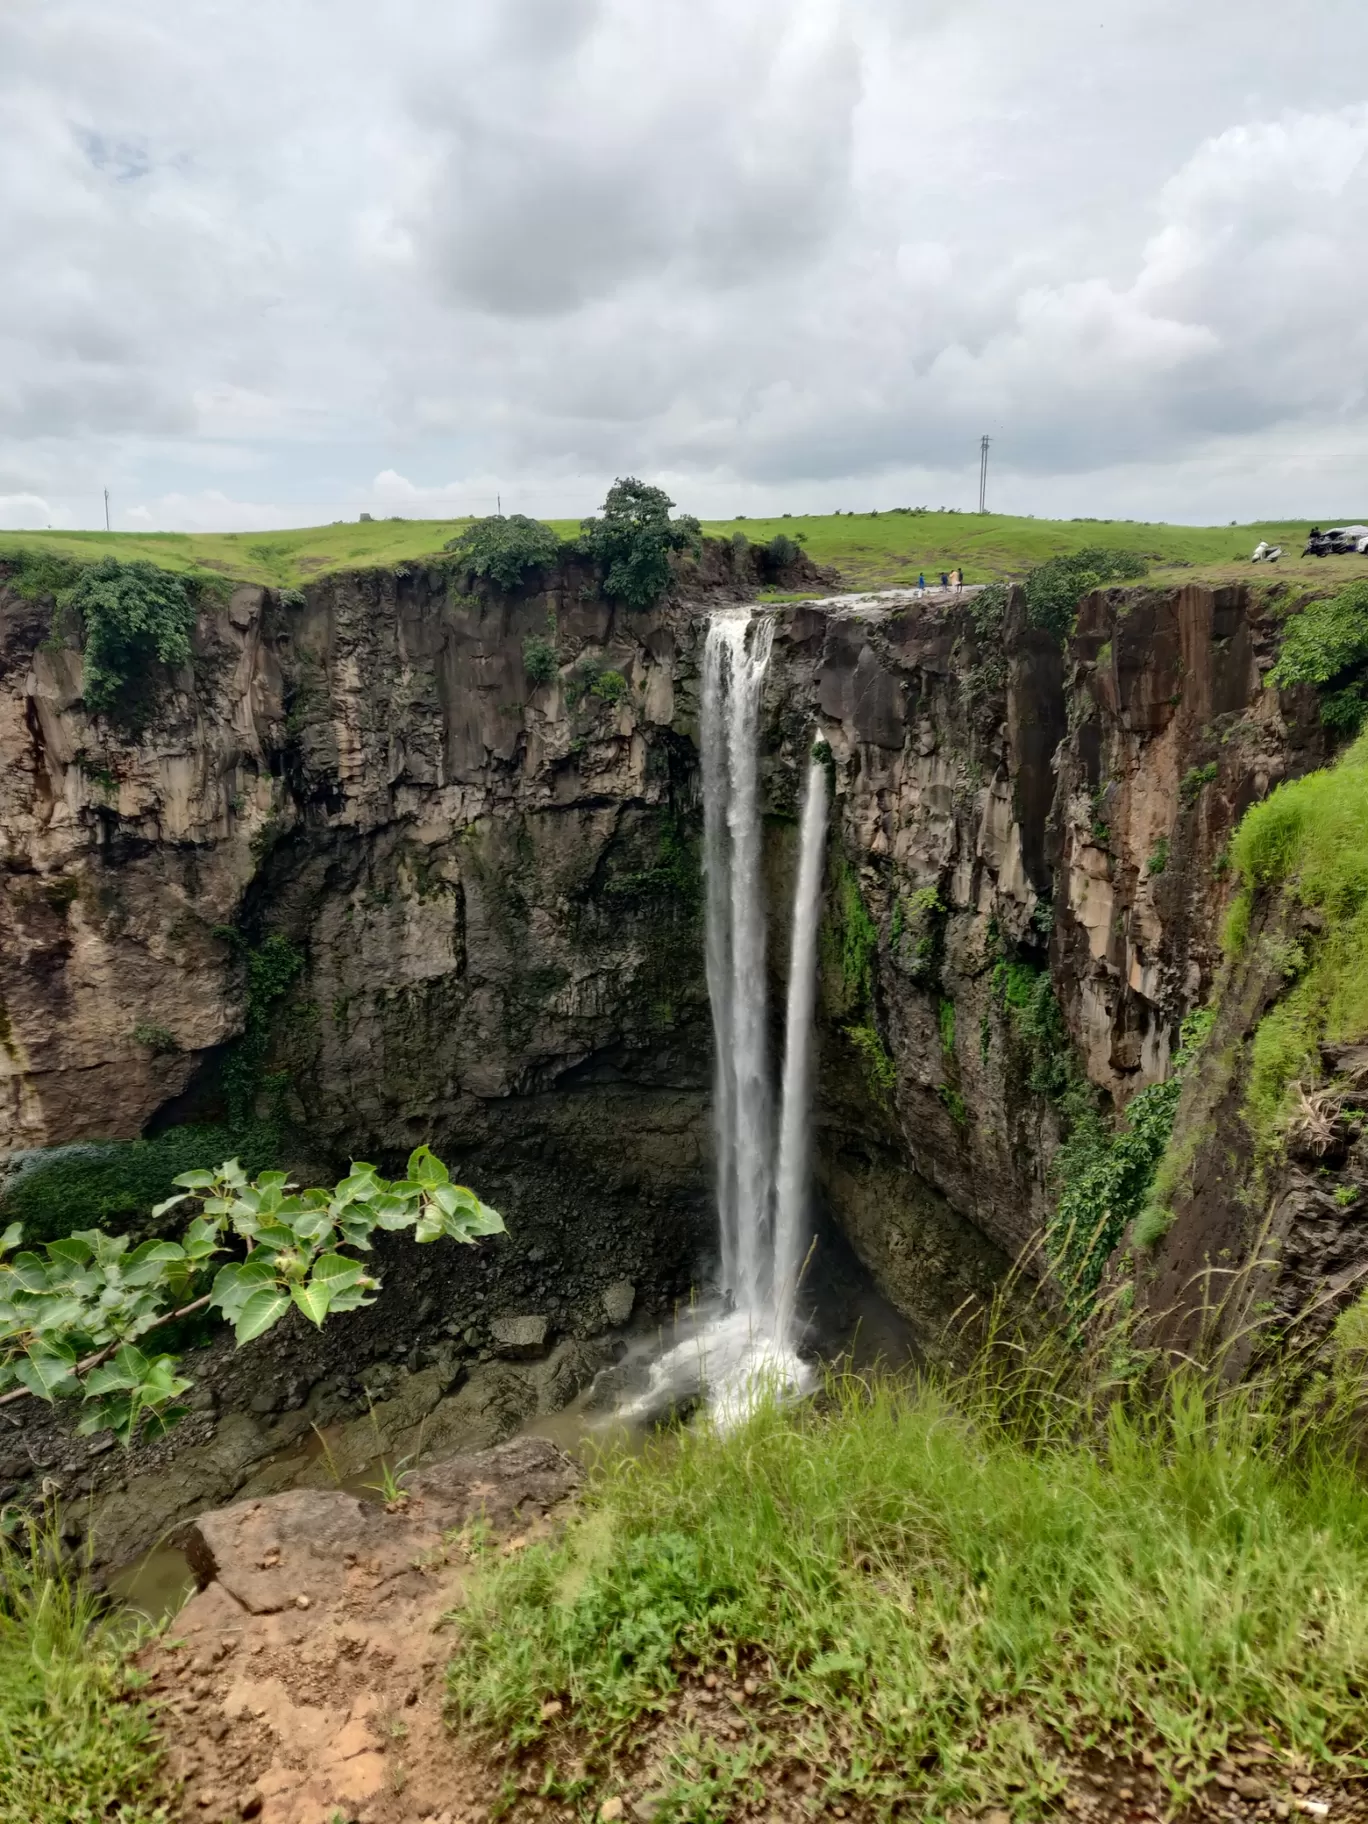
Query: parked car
1336, 541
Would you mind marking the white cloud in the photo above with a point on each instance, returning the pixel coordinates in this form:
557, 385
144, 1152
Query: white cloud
277, 262
25, 513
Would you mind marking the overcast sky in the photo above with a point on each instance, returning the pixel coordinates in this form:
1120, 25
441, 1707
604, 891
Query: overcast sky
269, 264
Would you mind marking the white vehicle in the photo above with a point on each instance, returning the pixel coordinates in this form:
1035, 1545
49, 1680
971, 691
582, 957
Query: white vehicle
1264, 553
1336, 541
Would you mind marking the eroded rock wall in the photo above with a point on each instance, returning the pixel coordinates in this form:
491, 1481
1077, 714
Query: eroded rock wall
493, 886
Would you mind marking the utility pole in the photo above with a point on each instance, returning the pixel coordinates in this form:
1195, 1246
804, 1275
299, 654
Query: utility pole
498, 505
106, 509
984, 441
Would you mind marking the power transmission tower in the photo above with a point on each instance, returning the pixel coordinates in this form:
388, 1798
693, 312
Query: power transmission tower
983, 473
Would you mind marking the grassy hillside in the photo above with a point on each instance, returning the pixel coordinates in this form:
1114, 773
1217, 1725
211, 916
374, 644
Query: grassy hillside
871, 550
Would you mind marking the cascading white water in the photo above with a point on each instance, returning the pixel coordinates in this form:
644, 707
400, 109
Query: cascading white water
736, 658
751, 1342
791, 1211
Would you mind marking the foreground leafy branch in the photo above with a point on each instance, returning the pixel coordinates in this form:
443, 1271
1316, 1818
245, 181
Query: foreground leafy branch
71, 1316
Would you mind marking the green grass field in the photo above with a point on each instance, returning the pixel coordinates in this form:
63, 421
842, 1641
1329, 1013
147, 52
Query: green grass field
871, 550
936, 1596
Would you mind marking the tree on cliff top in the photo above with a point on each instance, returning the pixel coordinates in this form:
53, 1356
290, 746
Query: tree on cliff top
505, 547
71, 1317
631, 541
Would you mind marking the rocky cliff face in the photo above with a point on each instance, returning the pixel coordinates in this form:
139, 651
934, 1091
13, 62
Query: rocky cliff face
487, 891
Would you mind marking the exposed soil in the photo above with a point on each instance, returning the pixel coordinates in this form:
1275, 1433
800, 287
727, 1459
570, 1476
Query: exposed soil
304, 1683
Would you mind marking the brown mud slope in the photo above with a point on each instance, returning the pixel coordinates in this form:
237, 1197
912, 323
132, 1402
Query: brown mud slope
304, 1683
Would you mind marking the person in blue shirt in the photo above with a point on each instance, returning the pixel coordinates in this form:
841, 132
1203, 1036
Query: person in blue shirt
921, 581
945, 579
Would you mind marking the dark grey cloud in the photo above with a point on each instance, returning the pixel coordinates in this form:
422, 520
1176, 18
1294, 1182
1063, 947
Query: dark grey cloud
267, 263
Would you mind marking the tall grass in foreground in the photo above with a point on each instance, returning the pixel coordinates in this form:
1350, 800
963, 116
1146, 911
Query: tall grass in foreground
73, 1748
947, 1582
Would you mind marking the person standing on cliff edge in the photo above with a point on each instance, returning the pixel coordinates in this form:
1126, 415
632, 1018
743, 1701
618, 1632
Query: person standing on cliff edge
957, 579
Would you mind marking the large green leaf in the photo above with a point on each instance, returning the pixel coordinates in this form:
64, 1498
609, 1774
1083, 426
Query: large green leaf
201, 1240
313, 1300
312, 1225
263, 1309
337, 1271
235, 1283
74, 1253
11, 1238
195, 1181
126, 1368
47, 1372
425, 1168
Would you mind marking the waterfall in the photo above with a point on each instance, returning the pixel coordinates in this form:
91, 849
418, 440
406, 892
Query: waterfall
790, 1220
736, 658
750, 1342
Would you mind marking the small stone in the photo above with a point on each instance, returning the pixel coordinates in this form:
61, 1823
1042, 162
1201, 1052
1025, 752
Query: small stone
711, 1681
997, 1817
1281, 1808
610, 1809
1125, 1792
301, 1602
520, 1339
552, 1707
750, 1687
618, 1301
1250, 1788
207, 1798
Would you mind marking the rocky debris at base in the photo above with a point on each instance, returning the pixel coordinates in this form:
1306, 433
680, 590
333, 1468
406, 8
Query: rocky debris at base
520, 1339
304, 1682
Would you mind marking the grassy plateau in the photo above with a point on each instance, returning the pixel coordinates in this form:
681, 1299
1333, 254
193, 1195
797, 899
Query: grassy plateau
871, 550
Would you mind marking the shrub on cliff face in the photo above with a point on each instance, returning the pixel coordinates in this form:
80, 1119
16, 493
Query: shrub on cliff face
1307, 841
1327, 645
631, 541
129, 616
506, 548
1054, 589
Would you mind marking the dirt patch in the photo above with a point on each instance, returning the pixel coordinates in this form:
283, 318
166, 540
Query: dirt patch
304, 1684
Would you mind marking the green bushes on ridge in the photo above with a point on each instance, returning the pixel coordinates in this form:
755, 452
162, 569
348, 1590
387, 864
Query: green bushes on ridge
632, 538
1053, 591
1327, 645
129, 616
1309, 841
506, 548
